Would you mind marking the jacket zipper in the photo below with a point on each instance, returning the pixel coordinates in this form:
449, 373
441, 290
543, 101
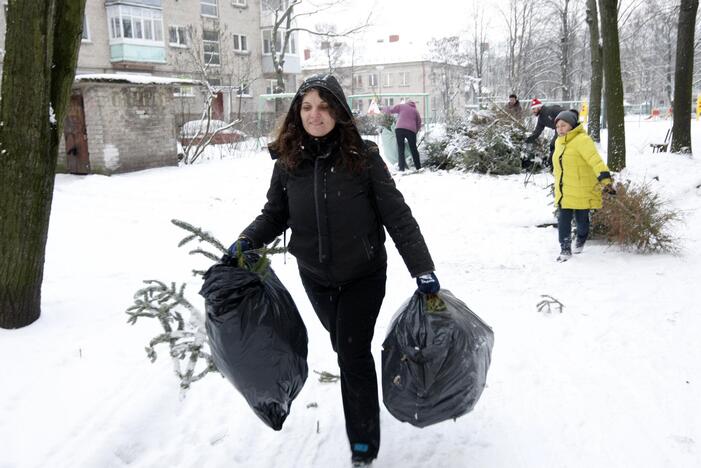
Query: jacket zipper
316, 206
562, 175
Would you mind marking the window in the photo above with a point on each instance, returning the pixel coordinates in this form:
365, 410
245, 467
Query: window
209, 8
372, 79
387, 81
240, 43
135, 24
403, 79
177, 36
292, 45
243, 90
210, 45
86, 30
267, 42
184, 91
241, 3
388, 102
357, 81
270, 87
359, 105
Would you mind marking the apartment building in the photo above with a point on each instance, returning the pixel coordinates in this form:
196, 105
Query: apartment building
226, 42
388, 71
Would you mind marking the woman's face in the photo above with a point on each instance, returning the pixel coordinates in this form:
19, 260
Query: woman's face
562, 127
316, 115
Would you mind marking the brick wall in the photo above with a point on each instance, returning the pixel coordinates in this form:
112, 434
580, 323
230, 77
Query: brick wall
129, 127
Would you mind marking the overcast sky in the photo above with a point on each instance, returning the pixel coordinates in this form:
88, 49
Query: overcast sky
417, 21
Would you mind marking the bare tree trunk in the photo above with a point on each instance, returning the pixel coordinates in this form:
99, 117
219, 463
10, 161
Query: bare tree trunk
613, 85
596, 72
683, 77
565, 52
669, 68
42, 41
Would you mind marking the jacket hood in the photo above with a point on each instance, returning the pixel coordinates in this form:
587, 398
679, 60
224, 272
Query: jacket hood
330, 84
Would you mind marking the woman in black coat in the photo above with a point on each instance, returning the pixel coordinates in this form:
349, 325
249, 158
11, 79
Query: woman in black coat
334, 192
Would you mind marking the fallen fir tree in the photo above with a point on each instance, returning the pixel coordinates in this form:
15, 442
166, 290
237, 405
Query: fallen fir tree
636, 218
487, 142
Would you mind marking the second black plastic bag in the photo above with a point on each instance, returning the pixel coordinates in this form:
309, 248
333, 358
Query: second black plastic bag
257, 337
434, 362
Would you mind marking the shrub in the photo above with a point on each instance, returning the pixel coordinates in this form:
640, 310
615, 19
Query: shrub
367, 124
636, 217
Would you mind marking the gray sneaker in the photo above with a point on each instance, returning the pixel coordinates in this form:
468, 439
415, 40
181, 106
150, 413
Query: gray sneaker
565, 254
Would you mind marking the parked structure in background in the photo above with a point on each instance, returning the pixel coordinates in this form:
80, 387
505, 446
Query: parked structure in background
387, 70
117, 122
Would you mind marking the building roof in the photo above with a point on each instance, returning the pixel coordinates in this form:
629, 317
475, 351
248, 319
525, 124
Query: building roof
380, 52
133, 78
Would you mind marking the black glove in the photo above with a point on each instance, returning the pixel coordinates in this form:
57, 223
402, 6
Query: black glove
241, 241
609, 190
428, 283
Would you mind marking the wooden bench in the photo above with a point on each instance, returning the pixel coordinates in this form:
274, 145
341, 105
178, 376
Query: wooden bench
664, 146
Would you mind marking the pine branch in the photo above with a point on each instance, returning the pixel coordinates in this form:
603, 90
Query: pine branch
198, 233
434, 303
187, 338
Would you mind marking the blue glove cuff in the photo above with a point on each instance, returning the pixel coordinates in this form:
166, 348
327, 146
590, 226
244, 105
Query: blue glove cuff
241, 241
428, 283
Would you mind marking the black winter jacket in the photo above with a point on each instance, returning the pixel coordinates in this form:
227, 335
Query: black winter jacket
337, 217
546, 118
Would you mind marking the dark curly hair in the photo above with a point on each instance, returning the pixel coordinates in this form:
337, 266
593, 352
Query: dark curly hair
291, 133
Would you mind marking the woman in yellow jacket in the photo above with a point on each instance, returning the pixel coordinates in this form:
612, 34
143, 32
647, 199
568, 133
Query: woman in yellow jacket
580, 175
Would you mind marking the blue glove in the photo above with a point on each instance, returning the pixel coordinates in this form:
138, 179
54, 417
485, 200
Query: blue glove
428, 283
241, 241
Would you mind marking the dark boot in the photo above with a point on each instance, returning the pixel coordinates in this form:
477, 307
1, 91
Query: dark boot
565, 253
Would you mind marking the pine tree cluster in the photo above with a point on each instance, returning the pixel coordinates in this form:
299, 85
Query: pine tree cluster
487, 142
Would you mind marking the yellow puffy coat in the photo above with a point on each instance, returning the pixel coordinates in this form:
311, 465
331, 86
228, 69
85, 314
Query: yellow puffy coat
579, 171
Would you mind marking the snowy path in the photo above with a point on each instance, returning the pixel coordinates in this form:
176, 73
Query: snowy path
613, 381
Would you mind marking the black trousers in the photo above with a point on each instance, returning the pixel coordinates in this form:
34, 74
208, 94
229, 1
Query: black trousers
402, 134
349, 313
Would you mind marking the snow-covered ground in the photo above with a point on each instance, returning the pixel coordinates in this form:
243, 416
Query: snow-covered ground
612, 381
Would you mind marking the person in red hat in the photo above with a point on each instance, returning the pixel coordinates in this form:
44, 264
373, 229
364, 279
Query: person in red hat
546, 118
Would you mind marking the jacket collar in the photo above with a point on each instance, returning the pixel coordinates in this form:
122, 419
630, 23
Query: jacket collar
572, 134
320, 147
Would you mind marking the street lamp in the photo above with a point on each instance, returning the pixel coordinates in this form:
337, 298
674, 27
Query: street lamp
379, 76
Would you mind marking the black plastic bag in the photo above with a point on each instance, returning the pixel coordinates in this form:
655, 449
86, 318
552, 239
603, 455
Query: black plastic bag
434, 362
257, 337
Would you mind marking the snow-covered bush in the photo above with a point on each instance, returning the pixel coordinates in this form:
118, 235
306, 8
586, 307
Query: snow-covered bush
636, 217
367, 124
487, 142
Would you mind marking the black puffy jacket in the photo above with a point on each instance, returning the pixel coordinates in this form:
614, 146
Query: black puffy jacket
546, 118
337, 217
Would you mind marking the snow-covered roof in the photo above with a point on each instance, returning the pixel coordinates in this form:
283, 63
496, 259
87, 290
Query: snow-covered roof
372, 53
133, 78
